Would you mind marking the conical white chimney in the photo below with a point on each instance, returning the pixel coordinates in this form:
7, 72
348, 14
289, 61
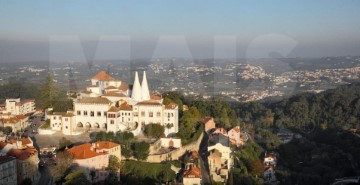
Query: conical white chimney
136, 91
145, 88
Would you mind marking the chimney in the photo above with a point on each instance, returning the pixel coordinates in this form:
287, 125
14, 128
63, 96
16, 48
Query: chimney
136, 91
145, 95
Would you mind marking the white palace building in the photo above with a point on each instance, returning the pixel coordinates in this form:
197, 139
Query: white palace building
110, 105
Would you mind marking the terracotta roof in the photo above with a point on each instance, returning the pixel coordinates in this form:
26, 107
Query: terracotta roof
155, 97
59, 113
113, 109
124, 86
102, 75
22, 154
125, 106
2, 145
194, 154
13, 120
21, 116
24, 141
171, 106
6, 158
105, 145
192, 172
236, 129
110, 87
115, 94
94, 100
148, 102
84, 151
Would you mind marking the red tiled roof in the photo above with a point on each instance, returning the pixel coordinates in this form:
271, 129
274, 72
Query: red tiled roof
22, 154
24, 141
236, 129
155, 97
148, 102
2, 145
206, 119
83, 151
192, 172
94, 100
102, 75
110, 87
113, 109
105, 144
123, 86
115, 94
125, 106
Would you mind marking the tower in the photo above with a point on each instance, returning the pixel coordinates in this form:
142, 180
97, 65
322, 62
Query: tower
136, 91
145, 95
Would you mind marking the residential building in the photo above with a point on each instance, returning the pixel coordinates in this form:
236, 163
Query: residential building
191, 175
95, 157
27, 159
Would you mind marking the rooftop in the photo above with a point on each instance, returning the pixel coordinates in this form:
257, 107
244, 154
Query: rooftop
102, 75
94, 100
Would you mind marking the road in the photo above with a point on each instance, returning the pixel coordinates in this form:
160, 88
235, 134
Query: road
204, 164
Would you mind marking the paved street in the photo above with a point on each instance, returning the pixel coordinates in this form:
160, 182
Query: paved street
204, 164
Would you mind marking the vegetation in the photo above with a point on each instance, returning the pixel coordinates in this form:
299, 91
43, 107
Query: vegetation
64, 163
46, 125
114, 164
141, 150
77, 177
6, 130
154, 130
136, 172
63, 143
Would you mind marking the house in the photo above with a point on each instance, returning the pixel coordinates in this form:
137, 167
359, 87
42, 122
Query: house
235, 136
95, 157
170, 142
219, 156
209, 123
27, 159
270, 160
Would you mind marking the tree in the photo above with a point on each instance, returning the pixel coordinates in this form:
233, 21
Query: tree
64, 162
126, 152
64, 142
167, 175
141, 150
224, 119
114, 164
76, 178
256, 167
6, 130
154, 130
49, 92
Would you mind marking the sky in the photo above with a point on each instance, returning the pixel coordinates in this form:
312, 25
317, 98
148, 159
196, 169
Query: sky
75, 29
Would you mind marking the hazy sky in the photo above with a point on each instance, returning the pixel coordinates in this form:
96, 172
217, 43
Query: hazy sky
72, 29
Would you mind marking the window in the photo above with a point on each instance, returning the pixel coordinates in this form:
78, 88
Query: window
66, 127
142, 114
136, 114
54, 117
151, 114
158, 114
105, 113
85, 113
66, 119
111, 121
98, 113
111, 115
92, 113
78, 112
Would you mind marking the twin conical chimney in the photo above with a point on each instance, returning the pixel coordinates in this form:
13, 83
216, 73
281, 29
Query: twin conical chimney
145, 95
140, 93
136, 91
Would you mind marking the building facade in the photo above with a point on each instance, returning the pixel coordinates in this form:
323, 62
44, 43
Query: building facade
8, 170
109, 104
